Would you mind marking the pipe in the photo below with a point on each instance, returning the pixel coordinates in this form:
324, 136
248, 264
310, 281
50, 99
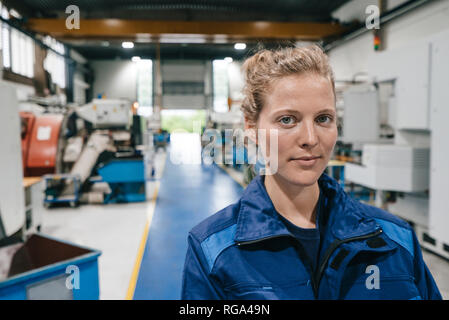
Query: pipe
96, 144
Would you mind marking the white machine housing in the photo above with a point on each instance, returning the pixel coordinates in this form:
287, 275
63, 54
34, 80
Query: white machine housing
439, 115
420, 73
107, 113
361, 114
12, 201
392, 167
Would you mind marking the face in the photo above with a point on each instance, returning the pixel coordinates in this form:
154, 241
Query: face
301, 108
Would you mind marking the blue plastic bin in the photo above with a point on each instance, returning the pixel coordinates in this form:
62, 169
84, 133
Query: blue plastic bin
126, 178
45, 268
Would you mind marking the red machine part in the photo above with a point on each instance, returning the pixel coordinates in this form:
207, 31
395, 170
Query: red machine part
27, 121
40, 145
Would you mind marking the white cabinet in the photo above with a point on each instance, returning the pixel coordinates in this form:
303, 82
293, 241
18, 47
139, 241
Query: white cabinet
439, 177
361, 114
409, 68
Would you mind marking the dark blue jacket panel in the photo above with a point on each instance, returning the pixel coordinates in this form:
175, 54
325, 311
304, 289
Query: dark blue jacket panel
245, 252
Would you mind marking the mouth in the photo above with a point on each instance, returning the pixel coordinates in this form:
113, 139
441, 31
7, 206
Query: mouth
306, 161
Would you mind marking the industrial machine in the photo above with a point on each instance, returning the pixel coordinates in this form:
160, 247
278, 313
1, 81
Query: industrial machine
12, 202
392, 167
40, 142
413, 166
161, 139
34, 266
73, 148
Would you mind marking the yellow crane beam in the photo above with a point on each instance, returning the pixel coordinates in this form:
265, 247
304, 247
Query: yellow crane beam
210, 30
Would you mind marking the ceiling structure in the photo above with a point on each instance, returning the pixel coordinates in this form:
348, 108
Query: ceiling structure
186, 29
185, 10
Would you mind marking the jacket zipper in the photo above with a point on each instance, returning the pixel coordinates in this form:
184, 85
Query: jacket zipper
334, 245
316, 278
263, 239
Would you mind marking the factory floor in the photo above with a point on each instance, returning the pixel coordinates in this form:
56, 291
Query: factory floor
114, 229
439, 268
143, 244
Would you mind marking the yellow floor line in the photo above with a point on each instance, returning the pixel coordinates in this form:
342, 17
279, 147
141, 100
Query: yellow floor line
143, 242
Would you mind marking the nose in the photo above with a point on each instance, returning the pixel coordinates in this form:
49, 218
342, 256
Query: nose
307, 136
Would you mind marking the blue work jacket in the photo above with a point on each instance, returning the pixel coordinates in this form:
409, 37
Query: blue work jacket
246, 252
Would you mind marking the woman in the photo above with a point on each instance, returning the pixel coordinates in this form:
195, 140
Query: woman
295, 234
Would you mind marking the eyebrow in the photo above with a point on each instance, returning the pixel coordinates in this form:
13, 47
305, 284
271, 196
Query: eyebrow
330, 110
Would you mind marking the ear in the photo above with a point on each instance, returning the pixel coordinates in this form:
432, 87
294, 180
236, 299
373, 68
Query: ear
251, 130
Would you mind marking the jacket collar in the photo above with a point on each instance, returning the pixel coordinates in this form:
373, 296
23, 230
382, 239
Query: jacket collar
341, 215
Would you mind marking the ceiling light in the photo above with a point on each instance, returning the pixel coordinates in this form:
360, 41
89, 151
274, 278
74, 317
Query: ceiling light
173, 38
127, 45
240, 46
228, 59
135, 59
15, 14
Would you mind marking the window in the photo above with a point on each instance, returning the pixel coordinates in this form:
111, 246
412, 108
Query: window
22, 53
5, 46
17, 48
220, 81
145, 87
54, 63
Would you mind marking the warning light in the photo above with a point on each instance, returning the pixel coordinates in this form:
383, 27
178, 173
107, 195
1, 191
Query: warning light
376, 42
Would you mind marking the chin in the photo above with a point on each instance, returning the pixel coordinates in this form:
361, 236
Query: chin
301, 177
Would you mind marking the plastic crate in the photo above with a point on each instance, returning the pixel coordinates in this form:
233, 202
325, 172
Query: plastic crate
126, 178
44, 268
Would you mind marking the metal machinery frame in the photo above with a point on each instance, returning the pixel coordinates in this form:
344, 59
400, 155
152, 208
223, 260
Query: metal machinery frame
71, 147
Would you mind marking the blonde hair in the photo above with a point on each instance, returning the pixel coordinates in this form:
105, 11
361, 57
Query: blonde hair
267, 66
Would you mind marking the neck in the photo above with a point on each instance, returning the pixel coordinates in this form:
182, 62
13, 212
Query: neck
295, 203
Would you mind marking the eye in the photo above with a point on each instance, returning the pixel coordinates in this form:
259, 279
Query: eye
287, 120
324, 118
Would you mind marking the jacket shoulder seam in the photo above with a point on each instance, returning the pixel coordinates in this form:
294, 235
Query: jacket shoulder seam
217, 242
402, 235
214, 223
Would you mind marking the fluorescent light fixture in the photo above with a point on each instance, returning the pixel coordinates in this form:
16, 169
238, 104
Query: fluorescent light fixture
240, 46
143, 37
299, 44
228, 59
15, 14
127, 45
183, 39
135, 59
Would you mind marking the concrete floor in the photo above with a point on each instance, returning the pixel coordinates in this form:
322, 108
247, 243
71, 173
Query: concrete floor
117, 231
439, 268
114, 229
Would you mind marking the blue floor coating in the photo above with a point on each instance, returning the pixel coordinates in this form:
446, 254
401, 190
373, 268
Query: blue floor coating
187, 195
